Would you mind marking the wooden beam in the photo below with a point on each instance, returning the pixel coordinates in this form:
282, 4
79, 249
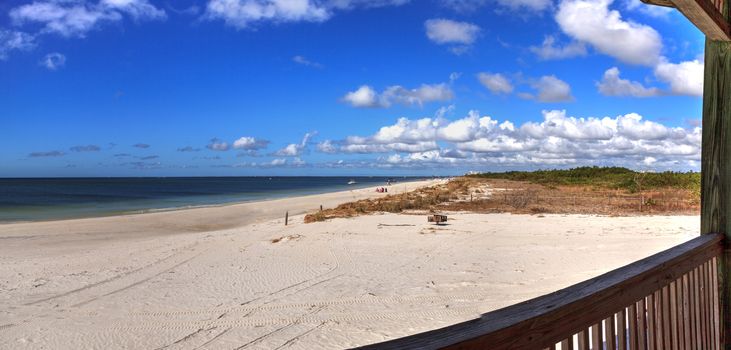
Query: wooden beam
666, 3
715, 167
707, 15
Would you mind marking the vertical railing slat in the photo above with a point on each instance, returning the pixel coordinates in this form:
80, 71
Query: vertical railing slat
687, 329
651, 342
609, 333
702, 306
696, 310
632, 318
679, 308
716, 304
596, 336
665, 311
622, 330
659, 345
673, 300
584, 343
708, 303
641, 325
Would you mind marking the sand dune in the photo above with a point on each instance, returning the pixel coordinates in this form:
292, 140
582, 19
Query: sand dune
164, 281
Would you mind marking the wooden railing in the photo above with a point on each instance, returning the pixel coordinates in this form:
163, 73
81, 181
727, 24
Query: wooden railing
667, 301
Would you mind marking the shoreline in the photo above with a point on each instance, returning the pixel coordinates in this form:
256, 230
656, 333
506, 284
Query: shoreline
201, 219
223, 203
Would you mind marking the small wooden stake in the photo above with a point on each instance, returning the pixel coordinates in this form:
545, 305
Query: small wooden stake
286, 218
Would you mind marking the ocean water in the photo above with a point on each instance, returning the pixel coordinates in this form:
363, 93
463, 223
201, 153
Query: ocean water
36, 199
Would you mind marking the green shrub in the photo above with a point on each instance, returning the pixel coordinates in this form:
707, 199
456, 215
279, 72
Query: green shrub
604, 177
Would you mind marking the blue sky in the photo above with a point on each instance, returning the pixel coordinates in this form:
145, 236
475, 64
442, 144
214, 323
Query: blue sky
307, 87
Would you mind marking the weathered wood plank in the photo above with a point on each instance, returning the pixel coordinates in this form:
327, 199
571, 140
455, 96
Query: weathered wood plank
716, 305
703, 307
697, 308
609, 331
622, 330
651, 323
708, 304
666, 326
704, 15
666, 3
584, 340
632, 326
679, 307
596, 336
642, 325
715, 169
687, 329
657, 301
673, 300
543, 321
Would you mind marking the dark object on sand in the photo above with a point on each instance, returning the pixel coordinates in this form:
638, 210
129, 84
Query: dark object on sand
437, 219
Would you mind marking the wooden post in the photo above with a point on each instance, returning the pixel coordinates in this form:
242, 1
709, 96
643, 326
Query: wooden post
320, 207
286, 218
640, 204
715, 167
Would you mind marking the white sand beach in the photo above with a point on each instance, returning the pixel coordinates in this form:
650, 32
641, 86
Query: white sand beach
234, 277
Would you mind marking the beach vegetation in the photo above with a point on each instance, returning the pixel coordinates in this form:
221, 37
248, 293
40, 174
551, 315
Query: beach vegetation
603, 177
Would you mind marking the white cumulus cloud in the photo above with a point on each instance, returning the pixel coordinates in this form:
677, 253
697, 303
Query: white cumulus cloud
550, 51
496, 83
243, 13
247, 13
592, 22
684, 78
445, 31
458, 36
296, 149
77, 18
366, 97
551, 89
613, 85
249, 143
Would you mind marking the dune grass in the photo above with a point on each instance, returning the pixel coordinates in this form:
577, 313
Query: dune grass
420, 199
604, 177
584, 190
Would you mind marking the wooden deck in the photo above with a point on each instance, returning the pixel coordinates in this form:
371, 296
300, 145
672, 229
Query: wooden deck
667, 301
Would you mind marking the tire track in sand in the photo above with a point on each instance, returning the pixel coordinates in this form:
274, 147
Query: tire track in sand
156, 326
395, 299
165, 264
134, 284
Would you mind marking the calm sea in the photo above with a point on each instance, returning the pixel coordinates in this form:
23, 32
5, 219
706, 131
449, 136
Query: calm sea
62, 198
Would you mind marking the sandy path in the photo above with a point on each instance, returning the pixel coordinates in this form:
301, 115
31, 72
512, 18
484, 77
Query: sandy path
333, 284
